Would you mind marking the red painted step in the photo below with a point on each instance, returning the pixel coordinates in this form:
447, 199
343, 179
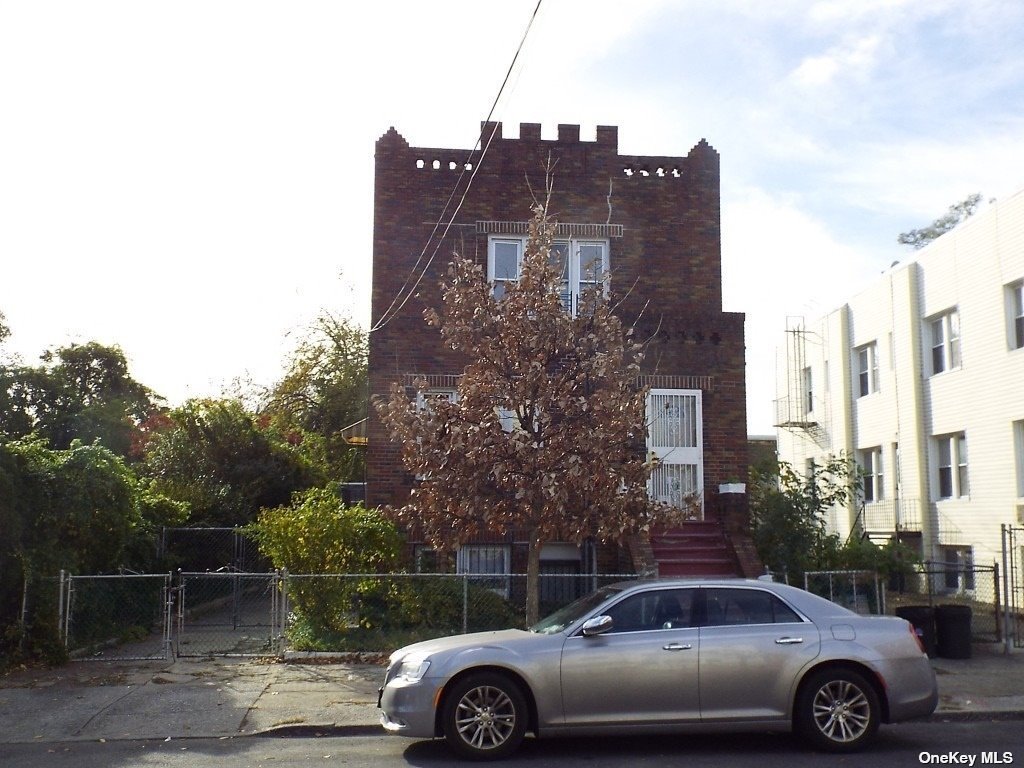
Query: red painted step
693, 549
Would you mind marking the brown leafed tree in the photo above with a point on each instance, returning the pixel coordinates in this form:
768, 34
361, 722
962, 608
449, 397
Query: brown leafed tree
547, 432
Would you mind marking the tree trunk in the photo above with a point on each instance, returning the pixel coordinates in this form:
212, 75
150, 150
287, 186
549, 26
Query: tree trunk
533, 579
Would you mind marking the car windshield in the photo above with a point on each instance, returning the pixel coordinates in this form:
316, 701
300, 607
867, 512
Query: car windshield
576, 610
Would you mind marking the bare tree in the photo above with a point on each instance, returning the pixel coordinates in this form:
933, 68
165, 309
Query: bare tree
547, 431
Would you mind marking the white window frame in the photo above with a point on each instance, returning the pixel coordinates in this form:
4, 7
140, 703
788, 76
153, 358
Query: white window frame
951, 467
867, 369
1015, 314
424, 396
1018, 456
676, 445
873, 474
575, 284
943, 338
492, 563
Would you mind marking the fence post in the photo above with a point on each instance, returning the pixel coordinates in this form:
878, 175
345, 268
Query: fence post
60, 607
168, 602
996, 601
465, 604
1006, 591
283, 611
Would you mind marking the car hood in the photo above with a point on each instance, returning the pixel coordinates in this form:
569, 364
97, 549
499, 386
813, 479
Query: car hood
456, 643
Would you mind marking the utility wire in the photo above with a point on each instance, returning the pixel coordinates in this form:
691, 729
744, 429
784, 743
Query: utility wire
393, 310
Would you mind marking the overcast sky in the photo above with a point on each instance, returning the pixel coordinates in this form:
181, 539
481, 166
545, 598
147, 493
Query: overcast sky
193, 181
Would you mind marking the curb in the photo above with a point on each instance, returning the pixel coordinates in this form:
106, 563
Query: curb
317, 731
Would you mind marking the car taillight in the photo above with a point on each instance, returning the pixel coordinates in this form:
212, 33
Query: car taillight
916, 634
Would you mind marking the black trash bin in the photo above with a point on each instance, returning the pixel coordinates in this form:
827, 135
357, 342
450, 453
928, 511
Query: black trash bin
953, 631
923, 619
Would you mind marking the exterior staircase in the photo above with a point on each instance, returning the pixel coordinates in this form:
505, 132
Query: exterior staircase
693, 549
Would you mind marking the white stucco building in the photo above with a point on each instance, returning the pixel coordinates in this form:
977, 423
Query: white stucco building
921, 379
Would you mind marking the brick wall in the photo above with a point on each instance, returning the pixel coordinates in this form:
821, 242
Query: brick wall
666, 263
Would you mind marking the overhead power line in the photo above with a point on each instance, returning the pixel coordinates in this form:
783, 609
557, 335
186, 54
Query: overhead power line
400, 300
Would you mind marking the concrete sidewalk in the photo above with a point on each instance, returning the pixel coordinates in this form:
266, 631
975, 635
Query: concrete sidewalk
223, 698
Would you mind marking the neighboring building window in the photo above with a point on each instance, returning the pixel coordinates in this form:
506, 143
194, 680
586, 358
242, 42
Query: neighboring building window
808, 390
491, 562
675, 443
945, 341
582, 264
959, 570
1015, 307
1018, 452
426, 397
867, 369
952, 466
870, 461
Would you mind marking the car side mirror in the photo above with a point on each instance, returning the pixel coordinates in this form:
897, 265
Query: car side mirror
597, 626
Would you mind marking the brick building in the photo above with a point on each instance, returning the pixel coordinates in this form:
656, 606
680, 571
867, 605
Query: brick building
652, 224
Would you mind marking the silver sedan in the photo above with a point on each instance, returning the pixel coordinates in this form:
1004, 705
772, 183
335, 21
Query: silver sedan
664, 656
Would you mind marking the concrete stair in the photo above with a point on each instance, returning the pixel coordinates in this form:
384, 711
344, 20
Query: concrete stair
693, 549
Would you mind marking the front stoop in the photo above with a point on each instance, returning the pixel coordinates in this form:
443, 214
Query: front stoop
694, 549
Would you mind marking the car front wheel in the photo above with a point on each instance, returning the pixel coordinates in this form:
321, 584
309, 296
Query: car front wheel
484, 717
837, 710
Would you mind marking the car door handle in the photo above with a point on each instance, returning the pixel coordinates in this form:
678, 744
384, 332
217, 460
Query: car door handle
789, 640
676, 647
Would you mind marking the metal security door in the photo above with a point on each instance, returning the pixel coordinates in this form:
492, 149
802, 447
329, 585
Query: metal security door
675, 442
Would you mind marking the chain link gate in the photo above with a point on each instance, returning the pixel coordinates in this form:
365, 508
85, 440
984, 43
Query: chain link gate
229, 614
1013, 585
115, 617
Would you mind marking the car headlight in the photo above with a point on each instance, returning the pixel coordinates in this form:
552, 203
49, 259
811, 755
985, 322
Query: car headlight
412, 670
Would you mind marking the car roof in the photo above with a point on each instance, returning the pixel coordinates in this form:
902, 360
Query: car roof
807, 602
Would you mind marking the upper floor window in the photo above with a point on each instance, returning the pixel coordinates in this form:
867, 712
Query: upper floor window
1018, 456
867, 369
952, 466
808, 391
426, 398
1015, 310
582, 265
944, 334
870, 460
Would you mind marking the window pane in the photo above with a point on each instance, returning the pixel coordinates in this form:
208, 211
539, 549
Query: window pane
506, 260
964, 488
559, 258
954, 339
591, 257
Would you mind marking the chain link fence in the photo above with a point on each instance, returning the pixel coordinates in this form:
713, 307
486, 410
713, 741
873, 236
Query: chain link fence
939, 584
860, 591
120, 616
192, 614
372, 612
228, 614
210, 549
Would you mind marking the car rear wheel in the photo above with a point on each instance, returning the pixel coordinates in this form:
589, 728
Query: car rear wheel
837, 710
484, 717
